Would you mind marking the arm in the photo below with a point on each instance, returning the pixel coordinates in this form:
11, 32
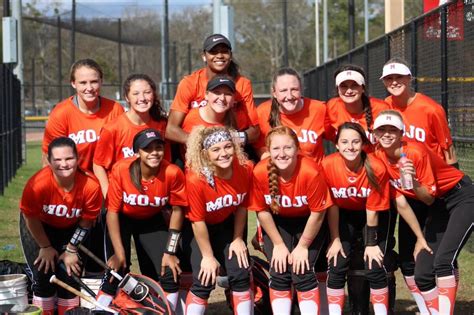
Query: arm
253, 133
70, 255
118, 260
174, 131
420, 191
372, 250
406, 212
209, 264
170, 260
238, 246
299, 255
335, 246
280, 253
450, 155
101, 174
47, 255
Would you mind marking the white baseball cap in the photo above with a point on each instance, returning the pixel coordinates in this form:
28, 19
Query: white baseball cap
389, 119
395, 68
350, 75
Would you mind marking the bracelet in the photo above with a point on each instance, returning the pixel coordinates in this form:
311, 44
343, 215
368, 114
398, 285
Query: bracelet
43, 247
370, 236
173, 240
71, 251
307, 240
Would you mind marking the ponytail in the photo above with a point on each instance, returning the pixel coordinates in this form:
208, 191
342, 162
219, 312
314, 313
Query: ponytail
273, 186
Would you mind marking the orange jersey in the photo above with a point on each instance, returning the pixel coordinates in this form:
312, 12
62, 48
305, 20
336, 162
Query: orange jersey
116, 140
193, 118
431, 171
352, 190
305, 192
308, 124
215, 205
67, 120
44, 199
425, 121
337, 114
167, 187
192, 89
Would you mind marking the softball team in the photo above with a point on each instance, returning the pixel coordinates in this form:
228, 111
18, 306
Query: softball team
302, 198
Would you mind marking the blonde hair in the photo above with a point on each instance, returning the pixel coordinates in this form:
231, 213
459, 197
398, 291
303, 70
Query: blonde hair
273, 173
197, 159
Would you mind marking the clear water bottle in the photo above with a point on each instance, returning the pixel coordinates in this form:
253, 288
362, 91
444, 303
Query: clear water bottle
405, 179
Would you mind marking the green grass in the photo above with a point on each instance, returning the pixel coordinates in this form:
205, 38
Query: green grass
10, 248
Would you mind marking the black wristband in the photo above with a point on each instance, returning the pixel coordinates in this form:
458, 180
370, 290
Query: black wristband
173, 241
79, 235
456, 165
370, 235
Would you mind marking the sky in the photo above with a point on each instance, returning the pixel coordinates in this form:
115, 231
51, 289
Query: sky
115, 8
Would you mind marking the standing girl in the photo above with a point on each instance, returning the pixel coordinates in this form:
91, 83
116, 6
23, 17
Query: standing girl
353, 103
218, 182
139, 190
449, 195
217, 55
58, 206
116, 138
289, 108
290, 197
360, 191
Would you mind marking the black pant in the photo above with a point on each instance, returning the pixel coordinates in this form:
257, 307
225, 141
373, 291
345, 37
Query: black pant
290, 230
151, 236
460, 205
351, 222
220, 236
58, 238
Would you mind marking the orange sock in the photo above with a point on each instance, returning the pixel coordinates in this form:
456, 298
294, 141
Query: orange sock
281, 301
67, 304
242, 303
46, 303
335, 300
415, 292
379, 299
447, 294
309, 302
195, 305
431, 299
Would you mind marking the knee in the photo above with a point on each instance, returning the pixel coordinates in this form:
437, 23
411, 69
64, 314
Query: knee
443, 267
337, 275
239, 280
280, 281
425, 279
407, 268
377, 278
168, 283
305, 282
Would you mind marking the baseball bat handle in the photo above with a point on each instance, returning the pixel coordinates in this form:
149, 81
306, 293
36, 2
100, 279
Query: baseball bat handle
86, 251
67, 287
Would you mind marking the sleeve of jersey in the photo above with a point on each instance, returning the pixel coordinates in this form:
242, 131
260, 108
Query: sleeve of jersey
184, 96
256, 197
248, 180
247, 99
424, 172
260, 143
329, 132
379, 199
55, 127
104, 150
31, 201
114, 200
93, 200
443, 134
178, 189
196, 203
319, 198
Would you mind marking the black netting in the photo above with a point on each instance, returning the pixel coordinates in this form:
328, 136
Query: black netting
376, 53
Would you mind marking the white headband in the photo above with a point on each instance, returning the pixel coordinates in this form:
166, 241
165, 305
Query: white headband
395, 68
350, 75
388, 119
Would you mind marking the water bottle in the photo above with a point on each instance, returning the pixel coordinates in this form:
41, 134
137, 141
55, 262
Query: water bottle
406, 179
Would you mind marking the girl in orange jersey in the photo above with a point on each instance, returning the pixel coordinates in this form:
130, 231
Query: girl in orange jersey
191, 93
58, 205
218, 181
448, 192
290, 197
425, 120
139, 190
116, 138
81, 116
353, 103
288, 107
360, 191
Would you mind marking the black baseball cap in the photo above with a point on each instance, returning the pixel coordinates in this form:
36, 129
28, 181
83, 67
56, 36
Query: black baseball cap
214, 40
219, 81
145, 137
